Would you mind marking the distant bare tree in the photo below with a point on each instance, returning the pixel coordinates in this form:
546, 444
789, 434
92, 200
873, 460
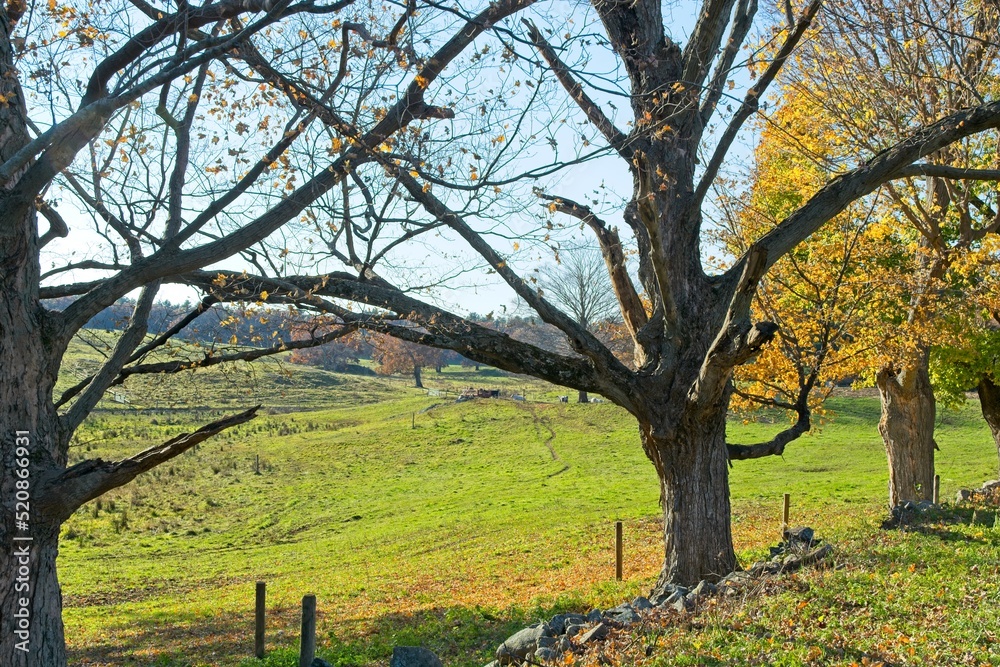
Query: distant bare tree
580, 286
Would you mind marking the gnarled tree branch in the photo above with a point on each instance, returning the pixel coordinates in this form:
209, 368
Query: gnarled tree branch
63, 494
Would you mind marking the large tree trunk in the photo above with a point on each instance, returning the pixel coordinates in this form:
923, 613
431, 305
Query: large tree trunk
30, 446
693, 467
907, 428
416, 377
582, 397
989, 403
31, 630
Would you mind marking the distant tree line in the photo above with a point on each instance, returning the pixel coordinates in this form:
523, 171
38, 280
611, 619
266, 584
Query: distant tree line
222, 323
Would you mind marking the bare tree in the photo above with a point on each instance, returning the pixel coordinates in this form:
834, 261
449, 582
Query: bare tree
579, 285
307, 146
160, 141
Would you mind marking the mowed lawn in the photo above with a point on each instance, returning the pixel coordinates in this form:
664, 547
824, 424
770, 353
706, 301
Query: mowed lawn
416, 520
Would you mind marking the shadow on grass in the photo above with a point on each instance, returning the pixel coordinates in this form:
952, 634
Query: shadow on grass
937, 522
459, 635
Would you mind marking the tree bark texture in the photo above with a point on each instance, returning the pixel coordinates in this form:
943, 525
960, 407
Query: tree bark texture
27, 376
694, 489
907, 429
989, 403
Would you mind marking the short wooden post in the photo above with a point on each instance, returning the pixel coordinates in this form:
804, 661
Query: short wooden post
258, 634
618, 550
937, 489
413, 420
307, 647
256, 465
786, 505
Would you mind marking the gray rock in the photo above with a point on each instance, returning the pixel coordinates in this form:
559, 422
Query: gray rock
564, 643
733, 582
628, 617
573, 629
735, 579
547, 642
623, 607
658, 596
678, 594
560, 622
992, 484
594, 616
521, 644
704, 589
546, 655
963, 495
319, 662
413, 656
623, 613
681, 604
599, 631
791, 562
925, 505
494, 663
800, 535
641, 604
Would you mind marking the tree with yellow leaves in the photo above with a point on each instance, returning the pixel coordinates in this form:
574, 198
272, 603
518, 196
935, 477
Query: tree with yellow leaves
928, 234
828, 296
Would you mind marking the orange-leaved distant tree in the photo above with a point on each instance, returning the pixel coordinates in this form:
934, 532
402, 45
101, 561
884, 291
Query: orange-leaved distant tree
337, 355
394, 355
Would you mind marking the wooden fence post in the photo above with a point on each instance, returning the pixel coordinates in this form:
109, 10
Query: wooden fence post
786, 505
307, 647
618, 550
258, 634
937, 489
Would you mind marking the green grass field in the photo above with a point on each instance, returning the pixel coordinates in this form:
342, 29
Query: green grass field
416, 520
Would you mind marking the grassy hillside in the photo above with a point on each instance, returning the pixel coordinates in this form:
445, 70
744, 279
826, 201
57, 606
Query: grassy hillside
417, 520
